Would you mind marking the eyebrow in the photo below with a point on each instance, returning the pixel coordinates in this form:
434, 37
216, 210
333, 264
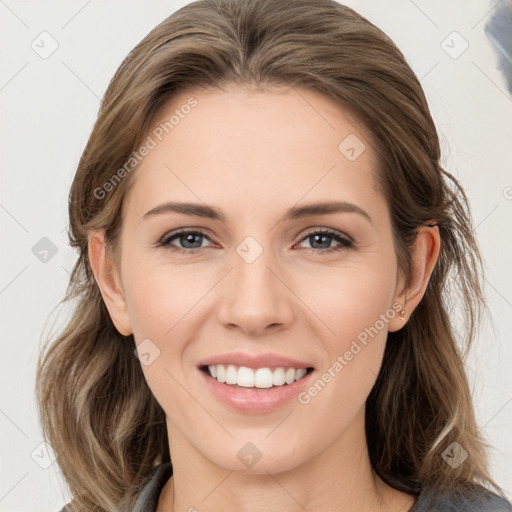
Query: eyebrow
296, 212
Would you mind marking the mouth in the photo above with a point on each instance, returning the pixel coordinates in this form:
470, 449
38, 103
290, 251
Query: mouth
254, 383
264, 378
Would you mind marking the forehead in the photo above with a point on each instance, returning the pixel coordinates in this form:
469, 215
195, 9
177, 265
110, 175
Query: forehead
254, 147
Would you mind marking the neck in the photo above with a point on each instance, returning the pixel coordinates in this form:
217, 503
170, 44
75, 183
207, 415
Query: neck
341, 474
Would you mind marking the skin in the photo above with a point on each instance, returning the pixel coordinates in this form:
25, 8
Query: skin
255, 154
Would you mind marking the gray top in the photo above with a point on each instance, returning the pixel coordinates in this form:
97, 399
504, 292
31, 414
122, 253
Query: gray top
148, 498
428, 501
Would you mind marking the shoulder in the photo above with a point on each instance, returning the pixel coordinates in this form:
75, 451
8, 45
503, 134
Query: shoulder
150, 491
471, 499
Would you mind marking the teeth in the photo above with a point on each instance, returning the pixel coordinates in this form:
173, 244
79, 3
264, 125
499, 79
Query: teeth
261, 378
245, 377
231, 375
300, 373
278, 377
289, 375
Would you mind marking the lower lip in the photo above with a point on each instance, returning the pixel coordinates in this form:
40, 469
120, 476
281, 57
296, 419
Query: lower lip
255, 400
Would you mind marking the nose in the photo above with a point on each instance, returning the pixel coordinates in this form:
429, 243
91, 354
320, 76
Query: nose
256, 297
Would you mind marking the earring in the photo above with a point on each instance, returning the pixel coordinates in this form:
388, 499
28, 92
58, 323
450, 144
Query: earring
401, 315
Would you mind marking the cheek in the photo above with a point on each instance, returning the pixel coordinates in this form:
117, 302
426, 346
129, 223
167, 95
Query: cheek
161, 303
357, 307
164, 302
150, 305
159, 294
352, 300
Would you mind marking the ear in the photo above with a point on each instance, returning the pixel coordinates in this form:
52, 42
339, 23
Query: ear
109, 282
424, 258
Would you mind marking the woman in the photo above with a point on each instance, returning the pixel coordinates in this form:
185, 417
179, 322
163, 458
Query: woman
299, 352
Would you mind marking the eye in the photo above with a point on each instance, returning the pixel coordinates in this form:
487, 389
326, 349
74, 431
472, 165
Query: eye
188, 238
322, 240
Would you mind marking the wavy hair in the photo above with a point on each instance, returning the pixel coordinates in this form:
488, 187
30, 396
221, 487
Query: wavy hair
105, 426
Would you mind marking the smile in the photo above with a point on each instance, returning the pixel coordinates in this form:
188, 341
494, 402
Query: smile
255, 383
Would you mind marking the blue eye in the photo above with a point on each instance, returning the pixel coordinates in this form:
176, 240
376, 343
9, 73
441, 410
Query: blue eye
186, 237
319, 237
191, 241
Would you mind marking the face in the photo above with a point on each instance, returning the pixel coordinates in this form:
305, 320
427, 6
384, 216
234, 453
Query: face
253, 281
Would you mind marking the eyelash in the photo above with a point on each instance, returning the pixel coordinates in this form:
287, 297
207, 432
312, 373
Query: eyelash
345, 242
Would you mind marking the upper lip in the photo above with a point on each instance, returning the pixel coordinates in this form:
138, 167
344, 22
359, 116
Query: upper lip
266, 360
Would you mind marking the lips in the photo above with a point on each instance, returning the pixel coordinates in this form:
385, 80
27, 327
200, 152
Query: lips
254, 383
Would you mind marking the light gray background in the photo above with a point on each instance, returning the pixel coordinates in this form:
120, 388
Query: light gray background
48, 107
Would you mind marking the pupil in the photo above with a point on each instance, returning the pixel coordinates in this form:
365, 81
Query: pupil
319, 237
190, 239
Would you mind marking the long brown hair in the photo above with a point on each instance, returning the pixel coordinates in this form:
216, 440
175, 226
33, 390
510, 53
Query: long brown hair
97, 411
